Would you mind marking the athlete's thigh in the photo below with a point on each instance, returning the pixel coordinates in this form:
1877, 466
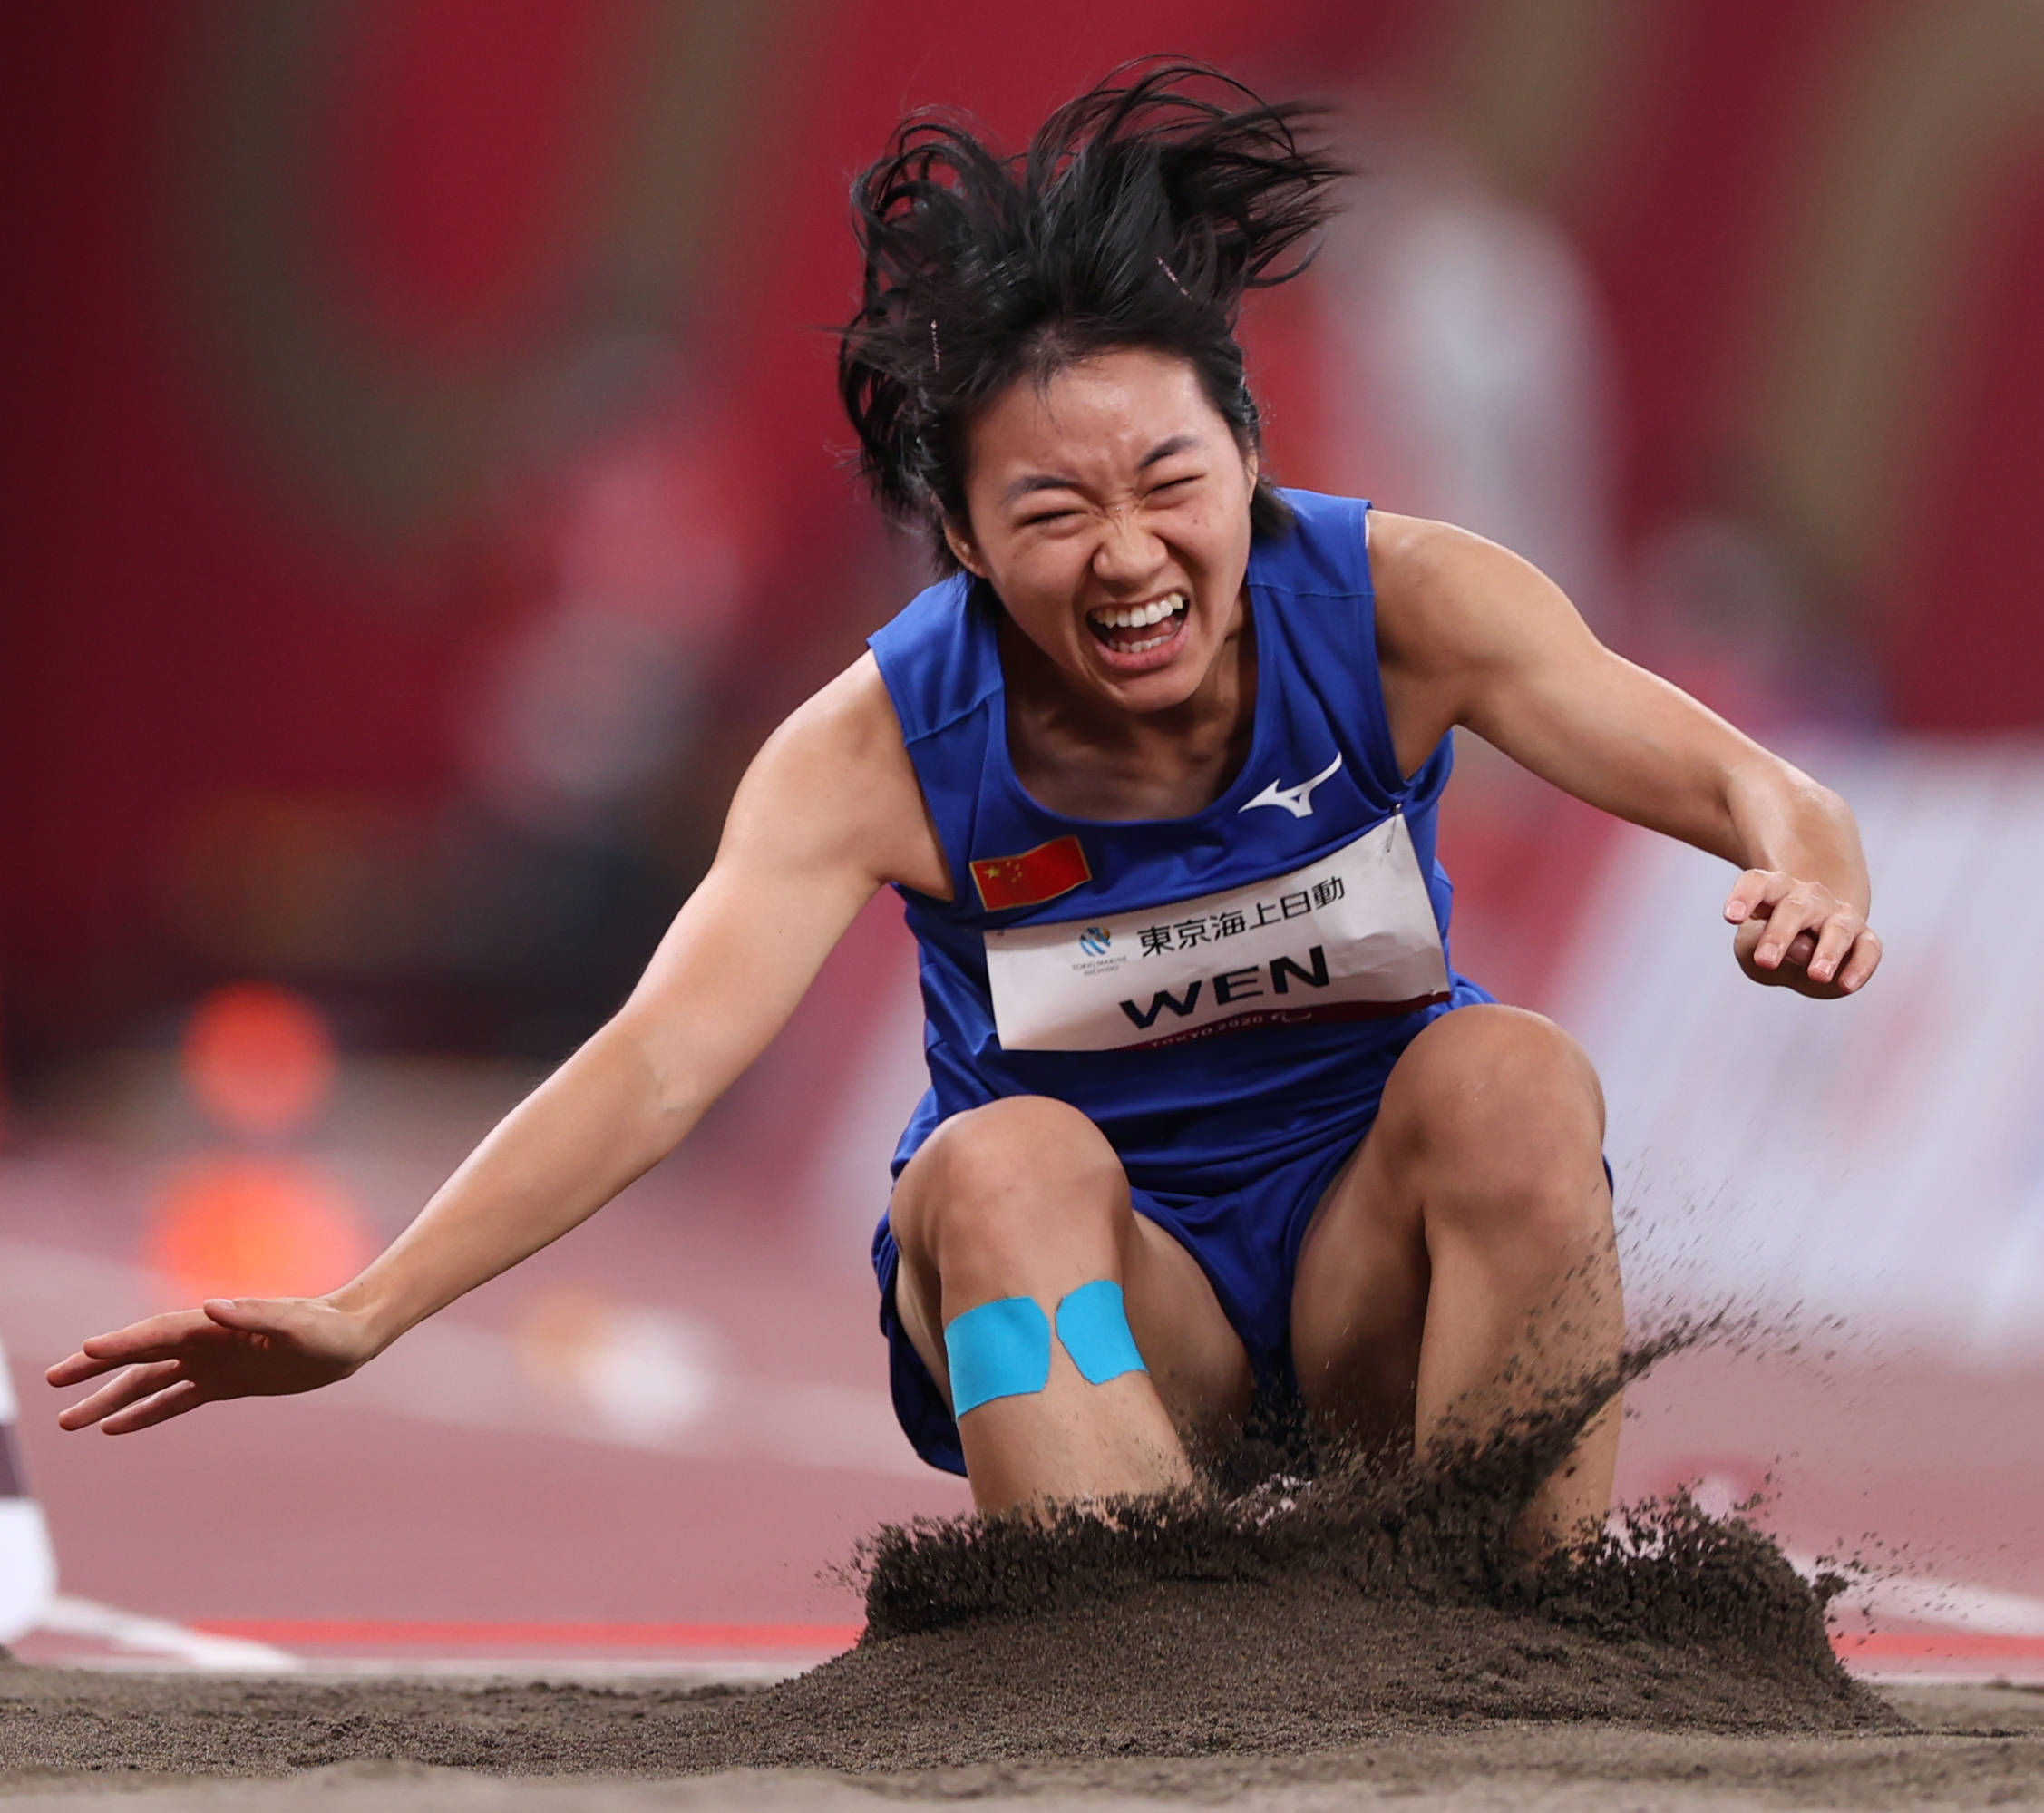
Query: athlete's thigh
1358, 1304
1199, 1363
1486, 1106
1195, 1359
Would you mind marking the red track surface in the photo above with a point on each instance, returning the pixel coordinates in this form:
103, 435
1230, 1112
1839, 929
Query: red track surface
353, 1522
396, 1635
1953, 1646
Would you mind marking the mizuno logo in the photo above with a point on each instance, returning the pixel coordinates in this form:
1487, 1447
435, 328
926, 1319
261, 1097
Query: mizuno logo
1298, 800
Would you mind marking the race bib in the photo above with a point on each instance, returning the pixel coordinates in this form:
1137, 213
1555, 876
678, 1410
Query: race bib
1348, 936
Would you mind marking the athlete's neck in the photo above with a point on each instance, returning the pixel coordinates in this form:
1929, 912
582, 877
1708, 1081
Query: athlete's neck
1081, 755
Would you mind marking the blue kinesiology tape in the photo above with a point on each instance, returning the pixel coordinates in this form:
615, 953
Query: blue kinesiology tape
1093, 1323
1000, 1350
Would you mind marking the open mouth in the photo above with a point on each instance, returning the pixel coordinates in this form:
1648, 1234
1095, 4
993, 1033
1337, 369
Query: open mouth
1136, 628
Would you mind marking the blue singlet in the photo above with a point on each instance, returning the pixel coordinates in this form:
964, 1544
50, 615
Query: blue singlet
1223, 994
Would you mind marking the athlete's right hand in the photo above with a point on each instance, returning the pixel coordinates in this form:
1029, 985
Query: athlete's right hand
246, 1346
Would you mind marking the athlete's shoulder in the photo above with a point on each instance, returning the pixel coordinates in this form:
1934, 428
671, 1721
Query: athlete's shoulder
848, 720
1417, 550
835, 778
1322, 552
937, 657
1448, 598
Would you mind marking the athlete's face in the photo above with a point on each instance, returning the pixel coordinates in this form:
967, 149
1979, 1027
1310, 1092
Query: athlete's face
1115, 492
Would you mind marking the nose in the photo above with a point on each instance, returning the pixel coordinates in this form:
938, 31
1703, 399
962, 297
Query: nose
1128, 553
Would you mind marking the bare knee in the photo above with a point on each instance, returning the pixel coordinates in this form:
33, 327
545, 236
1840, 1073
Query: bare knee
1022, 1173
1502, 1119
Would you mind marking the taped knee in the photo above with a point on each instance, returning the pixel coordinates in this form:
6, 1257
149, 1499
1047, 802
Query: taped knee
1093, 1325
999, 1350
1002, 1348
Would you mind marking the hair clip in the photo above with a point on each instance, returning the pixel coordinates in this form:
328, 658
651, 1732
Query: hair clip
936, 352
1173, 277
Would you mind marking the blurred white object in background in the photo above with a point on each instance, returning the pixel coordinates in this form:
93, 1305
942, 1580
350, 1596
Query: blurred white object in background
585, 704
28, 1570
1470, 356
646, 1376
1879, 1159
596, 694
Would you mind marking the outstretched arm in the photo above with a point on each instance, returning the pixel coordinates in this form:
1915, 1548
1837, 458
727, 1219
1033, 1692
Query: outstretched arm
1471, 634
829, 811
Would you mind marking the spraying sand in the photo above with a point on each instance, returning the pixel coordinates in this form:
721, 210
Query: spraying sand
1200, 1646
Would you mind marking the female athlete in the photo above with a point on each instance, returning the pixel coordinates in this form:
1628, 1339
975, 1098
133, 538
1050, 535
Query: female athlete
1213, 1121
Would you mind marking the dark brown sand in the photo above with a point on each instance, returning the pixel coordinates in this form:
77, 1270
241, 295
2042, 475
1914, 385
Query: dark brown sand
174, 1745
1365, 1615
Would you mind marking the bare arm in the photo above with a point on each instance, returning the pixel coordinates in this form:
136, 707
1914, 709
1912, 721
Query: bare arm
1471, 634
828, 812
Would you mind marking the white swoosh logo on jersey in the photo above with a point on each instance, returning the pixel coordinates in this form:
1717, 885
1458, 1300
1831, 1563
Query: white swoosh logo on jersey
1298, 800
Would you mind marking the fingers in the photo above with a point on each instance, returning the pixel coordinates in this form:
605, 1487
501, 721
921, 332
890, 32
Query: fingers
174, 1401
135, 1381
76, 1368
1865, 959
1799, 935
1787, 930
157, 1337
1837, 938
1749, 937
1797, 910
1777, 918
1749, 891
164, 1337
97, 1357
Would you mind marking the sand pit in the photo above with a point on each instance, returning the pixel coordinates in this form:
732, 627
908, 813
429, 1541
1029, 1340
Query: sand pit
1370, 1633
176, 1745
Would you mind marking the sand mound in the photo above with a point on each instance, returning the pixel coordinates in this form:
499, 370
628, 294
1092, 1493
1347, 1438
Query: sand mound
1309, 1615
1299, 1616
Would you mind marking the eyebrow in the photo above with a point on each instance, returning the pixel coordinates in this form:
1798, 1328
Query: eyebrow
1163, 450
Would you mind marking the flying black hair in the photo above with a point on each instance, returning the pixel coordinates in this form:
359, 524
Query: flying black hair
1140, 215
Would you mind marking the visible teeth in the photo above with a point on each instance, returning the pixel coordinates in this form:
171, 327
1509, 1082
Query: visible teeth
1141, 616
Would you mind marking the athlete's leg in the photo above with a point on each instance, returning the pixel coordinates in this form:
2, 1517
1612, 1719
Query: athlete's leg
1026, 1198
1462, 1265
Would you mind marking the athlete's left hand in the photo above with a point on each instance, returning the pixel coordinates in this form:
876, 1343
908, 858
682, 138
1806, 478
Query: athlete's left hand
1798, 934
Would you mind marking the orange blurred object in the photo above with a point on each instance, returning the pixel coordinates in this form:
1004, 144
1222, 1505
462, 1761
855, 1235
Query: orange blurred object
234, 1227
258, 1059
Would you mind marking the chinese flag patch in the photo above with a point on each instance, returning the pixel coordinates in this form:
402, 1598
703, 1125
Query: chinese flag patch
1035, 876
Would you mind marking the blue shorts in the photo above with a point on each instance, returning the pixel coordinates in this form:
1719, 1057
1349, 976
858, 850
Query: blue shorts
1245, 1240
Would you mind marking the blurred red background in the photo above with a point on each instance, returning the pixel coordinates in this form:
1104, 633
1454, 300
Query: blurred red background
425, 488
350, 340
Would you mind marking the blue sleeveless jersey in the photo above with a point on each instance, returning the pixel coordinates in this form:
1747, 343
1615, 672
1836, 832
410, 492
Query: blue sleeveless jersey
1216, 992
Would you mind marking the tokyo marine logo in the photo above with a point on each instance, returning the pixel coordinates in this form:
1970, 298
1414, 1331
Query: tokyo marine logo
1094, 940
